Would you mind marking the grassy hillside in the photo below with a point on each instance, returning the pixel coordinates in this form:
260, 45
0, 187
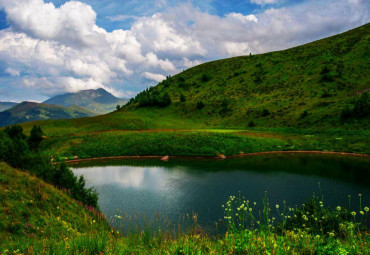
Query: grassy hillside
6, 105
36, 218
99, 100
307, 87
29, 111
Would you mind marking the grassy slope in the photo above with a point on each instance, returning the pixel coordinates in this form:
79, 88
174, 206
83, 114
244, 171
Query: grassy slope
291, 82
36, 218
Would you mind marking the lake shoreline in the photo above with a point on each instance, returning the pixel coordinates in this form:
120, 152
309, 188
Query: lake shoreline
220, 157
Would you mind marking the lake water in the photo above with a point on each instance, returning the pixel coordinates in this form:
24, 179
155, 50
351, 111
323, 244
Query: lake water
184, 186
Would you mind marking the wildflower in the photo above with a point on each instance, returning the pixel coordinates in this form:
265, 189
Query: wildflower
366, 209
359, 195
338, 208
317, 236
93, 221
362, 212
331, 234
353, 213
255, 203
223, 206
277, 206
250, 209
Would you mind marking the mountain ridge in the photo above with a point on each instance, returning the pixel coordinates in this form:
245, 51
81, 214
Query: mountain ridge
31, 111
99, 100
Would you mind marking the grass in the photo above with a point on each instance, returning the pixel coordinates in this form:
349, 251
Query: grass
36, 218
207, 143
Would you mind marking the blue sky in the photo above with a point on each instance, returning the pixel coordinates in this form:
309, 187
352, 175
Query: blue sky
53, 47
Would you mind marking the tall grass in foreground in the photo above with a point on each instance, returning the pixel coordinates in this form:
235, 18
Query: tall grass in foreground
311, 228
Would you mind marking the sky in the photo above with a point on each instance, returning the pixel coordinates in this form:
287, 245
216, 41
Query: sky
54, 47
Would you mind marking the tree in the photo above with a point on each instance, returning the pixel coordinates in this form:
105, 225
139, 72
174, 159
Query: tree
200, 105
35, 138
265, 113
182, 98
206, 77
118, 107
165, 100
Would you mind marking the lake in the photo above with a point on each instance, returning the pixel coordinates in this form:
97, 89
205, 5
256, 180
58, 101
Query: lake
186, 186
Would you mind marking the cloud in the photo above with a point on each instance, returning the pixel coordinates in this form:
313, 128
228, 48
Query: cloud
241, 18
154, 76
122, 17
264, 2
62, 49
12, 72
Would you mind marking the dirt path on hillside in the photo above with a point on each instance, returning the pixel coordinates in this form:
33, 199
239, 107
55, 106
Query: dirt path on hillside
218, 157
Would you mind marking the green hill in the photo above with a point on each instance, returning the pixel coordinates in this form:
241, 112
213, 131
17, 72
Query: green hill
35, 216
98, 100
316, 85
29, 111
6, 105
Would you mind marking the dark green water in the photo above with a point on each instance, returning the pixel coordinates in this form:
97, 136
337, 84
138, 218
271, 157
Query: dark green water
183, 186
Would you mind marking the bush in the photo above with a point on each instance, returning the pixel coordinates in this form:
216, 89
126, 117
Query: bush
206, 77
252, 124
200, 105
360, 109
15, 149
182, 98
265, 113
304, 114
35, 138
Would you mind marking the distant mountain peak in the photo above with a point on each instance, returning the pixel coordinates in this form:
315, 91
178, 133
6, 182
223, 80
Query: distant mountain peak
98, 100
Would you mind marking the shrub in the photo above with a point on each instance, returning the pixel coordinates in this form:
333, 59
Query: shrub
200, 105
15, 150
35, 138
252, 124
182, 98
304, 114
361, 108
206, 77
265, 113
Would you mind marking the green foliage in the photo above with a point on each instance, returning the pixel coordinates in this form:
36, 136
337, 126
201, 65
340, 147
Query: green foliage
182, 98
206, 77
265, 113
118, 107
150, 98
21, 152
35, 138
360, 109
304, 114
200, 105
252, 124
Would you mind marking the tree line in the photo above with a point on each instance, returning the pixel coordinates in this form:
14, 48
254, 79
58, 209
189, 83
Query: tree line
22, 152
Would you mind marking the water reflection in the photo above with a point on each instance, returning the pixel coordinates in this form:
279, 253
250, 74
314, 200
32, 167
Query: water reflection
201, 186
